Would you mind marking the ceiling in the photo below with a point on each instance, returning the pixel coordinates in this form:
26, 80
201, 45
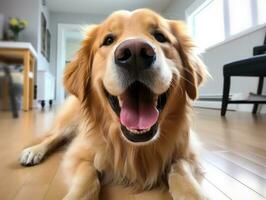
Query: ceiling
104, 7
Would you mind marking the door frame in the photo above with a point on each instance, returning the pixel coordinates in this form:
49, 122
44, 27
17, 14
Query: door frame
60, 61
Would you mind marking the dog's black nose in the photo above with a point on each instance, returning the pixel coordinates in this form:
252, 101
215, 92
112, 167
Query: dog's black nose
135, 54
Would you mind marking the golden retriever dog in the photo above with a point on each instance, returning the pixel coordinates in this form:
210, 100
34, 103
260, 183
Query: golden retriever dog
132, 84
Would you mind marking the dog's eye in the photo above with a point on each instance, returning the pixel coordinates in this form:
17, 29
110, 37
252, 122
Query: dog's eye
108, 40
159, 37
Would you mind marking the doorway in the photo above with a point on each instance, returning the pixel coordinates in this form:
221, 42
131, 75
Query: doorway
68, 42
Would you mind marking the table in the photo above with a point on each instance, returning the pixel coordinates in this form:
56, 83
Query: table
21, 53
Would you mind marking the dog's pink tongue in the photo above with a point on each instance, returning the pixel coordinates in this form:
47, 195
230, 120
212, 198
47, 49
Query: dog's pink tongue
138, 115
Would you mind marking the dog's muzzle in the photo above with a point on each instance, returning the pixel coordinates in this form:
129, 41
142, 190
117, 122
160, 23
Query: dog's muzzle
138, 107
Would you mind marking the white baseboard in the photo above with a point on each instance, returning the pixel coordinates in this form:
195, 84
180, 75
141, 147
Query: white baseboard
214, 105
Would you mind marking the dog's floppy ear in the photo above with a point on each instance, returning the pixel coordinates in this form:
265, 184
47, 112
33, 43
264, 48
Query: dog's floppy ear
194, 70
77, 72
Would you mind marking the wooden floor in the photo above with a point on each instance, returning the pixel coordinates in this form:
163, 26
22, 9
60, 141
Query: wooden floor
234, 156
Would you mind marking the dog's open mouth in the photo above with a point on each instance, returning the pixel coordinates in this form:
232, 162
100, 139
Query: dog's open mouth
138, 109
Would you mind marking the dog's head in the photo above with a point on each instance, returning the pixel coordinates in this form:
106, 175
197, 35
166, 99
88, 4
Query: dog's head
132, 64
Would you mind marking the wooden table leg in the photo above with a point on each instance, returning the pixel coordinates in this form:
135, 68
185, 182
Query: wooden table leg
32, 69
26, 81
5, 95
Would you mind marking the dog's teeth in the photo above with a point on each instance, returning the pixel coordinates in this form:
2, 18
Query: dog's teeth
155, 101
138, 132
120, 101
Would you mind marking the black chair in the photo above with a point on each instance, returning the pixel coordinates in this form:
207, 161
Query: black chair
12, 91
254, 66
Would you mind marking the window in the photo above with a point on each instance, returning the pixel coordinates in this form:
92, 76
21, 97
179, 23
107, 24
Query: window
213, 21
240, 16
202, 21
261, 6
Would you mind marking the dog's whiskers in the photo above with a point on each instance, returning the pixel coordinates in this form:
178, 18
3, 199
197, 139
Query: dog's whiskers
188, 81
191, 73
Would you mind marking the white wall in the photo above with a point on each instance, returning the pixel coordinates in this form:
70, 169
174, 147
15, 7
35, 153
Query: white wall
216, 57
177, 9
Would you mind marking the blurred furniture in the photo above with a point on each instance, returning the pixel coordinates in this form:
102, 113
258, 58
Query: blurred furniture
46, 88
2, 19
254, 66
16, 75
21, 53
8, 89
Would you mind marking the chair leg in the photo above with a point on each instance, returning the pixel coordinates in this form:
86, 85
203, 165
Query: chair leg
259, 91
13, 100
12, 93
226, 91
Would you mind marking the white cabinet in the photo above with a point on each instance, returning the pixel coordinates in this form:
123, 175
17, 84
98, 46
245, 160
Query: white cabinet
45, 87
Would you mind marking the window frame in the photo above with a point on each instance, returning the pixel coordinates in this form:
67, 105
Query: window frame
198, 5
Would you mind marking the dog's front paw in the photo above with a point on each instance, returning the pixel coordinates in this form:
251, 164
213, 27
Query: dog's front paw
74, 196
184, 188
190, 197
70, 196
32, 155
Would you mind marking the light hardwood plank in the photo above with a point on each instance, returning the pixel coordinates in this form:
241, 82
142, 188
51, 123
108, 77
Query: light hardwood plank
245, 163
39, 179
212, 192
228, 185
251, 180
258, 159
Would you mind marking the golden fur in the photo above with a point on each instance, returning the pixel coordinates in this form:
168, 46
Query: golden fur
166, 162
